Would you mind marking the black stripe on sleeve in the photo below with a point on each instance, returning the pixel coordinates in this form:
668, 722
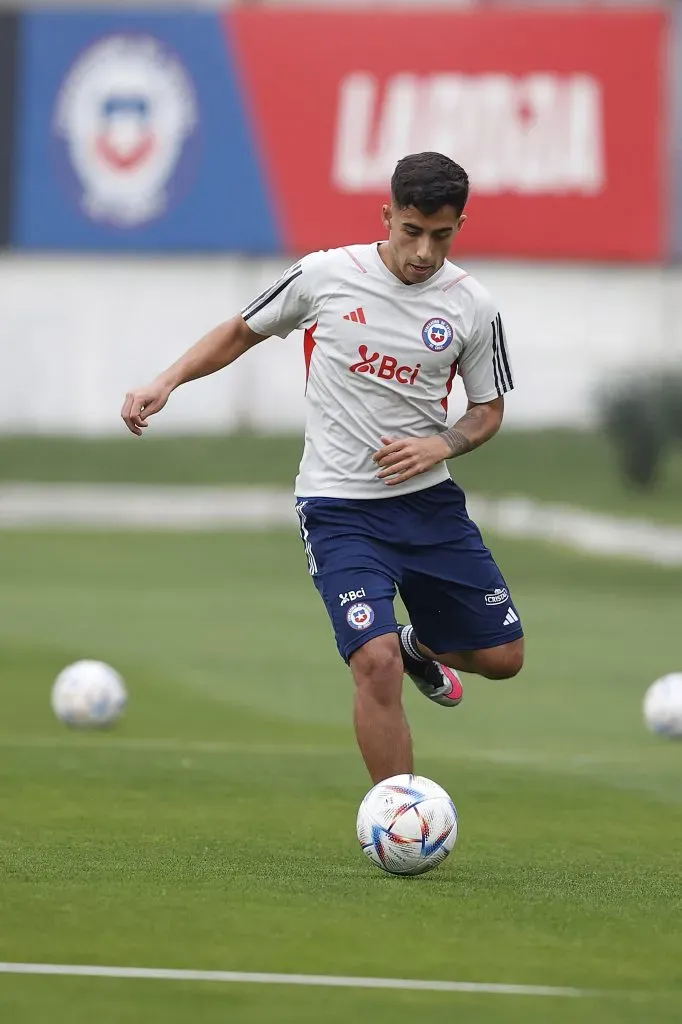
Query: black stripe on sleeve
498, 366
497, 379
271, 293
503, 351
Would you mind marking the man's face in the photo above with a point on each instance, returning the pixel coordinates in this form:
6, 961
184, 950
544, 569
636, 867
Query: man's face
419, 245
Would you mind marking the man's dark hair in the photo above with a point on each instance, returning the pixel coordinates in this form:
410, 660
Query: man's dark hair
429, 181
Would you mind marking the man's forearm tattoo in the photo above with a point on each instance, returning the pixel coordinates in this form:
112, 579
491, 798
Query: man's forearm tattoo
458, 443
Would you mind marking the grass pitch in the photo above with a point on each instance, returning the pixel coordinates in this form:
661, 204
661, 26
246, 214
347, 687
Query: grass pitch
577, 468
214, 828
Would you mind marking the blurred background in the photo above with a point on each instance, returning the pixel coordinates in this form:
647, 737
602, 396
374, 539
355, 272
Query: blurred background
159, 166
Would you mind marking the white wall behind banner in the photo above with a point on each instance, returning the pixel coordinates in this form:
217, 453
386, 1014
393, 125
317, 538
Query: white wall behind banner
75, 333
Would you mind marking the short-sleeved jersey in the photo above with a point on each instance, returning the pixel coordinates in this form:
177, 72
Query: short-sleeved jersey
381, 357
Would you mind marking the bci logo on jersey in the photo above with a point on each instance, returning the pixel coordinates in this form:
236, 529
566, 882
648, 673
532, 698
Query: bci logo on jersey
385, 367
437, 334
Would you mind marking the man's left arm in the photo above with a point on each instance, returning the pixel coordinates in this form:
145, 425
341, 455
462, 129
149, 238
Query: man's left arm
486, 371
479, 423
399, 460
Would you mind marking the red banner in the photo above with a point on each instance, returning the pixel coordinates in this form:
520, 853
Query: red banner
558, 118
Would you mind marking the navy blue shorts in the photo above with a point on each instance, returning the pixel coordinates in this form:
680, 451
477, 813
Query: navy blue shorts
422, 544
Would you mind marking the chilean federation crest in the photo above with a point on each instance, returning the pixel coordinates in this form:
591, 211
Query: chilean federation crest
360, 616
125, 122
437, 334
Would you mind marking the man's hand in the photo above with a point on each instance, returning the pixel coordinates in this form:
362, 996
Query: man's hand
142, 403
401, 460
213, 352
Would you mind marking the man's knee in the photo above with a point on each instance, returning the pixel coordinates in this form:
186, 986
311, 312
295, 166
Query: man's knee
377, 668
502, 662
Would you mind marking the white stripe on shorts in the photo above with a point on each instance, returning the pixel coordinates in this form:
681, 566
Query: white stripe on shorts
305, 537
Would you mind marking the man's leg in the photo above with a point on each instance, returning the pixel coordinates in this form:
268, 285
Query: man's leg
355, 572
380, 725
434, 679
462, 614
433, 666
502, 662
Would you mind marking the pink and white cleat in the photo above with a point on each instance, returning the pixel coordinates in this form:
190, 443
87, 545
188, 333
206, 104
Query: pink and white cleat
438, 682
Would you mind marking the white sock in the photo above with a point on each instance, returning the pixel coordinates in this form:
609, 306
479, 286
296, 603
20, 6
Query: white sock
408, 639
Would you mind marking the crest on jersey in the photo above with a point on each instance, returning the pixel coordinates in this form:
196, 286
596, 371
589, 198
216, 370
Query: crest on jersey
360, 616
437, 334
125, 123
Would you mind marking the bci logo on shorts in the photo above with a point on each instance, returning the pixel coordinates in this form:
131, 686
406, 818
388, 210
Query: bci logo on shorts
498, 596
352, 595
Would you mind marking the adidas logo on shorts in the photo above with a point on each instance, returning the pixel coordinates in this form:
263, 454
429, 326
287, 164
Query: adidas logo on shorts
510, 618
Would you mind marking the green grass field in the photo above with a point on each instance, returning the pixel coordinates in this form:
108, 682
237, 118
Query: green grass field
214, 827
551, 465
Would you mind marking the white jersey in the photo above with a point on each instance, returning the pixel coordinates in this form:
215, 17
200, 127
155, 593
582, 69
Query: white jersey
381, 357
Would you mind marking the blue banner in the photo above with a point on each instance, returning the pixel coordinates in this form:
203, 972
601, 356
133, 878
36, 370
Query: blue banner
8, 35
132, 135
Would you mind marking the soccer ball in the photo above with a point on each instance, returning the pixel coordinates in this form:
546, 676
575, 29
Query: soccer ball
407, 825
663, 705
88, 694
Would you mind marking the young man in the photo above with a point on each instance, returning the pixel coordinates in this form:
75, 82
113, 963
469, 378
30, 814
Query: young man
387, 327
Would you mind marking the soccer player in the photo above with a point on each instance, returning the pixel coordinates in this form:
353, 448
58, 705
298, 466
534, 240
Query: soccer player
387, 328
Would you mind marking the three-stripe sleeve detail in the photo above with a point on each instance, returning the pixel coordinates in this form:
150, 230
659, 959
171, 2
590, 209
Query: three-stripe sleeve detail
501, 367
503, 352
271, 293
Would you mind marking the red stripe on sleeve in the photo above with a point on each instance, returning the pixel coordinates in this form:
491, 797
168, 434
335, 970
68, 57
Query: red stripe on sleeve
308, 347
448, 386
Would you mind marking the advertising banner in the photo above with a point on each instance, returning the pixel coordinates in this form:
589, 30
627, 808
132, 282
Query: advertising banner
263, 131
8, 35
558, 117
676, 119
133, 135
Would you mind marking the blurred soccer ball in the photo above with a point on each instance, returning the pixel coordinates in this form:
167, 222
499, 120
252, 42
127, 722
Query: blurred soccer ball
407, 825
88, 694
663, 705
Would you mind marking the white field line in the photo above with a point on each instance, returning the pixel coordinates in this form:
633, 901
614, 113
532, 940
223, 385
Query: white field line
318, 980
70, 743
122, 507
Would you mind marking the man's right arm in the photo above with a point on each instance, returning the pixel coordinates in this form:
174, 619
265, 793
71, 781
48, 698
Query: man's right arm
285, 305
213, 352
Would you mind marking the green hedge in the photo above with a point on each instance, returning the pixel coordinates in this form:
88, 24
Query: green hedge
643, 421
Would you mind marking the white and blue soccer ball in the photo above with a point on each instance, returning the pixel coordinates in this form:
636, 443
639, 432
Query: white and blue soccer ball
407, 825
663, 705
89, 694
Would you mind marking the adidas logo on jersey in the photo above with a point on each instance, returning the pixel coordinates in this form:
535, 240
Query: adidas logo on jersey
385, 367
511, 618
357, 316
